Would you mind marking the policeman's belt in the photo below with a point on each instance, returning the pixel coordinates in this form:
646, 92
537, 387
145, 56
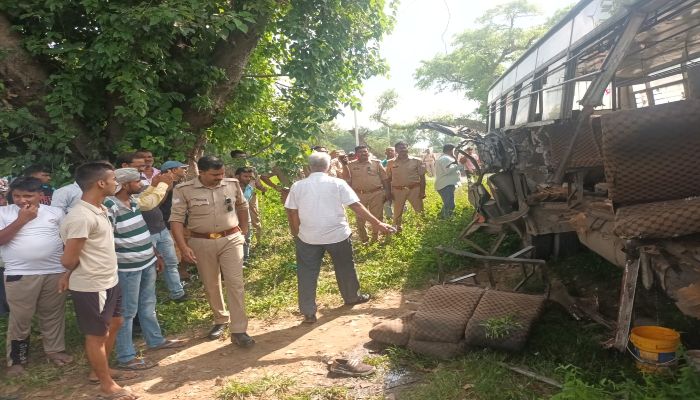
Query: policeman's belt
409, 186
358, 191
215, 235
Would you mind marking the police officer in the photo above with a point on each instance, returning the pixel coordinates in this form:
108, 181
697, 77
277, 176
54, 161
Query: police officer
369, 180
216, 213
407, 178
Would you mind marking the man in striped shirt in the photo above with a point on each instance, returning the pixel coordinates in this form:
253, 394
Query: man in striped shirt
137, 263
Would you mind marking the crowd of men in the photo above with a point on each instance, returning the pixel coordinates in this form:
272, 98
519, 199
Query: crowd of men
104, 238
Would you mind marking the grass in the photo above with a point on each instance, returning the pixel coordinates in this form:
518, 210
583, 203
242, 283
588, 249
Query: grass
559, 347
281, 388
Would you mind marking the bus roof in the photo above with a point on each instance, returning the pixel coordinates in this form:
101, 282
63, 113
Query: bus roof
585, 20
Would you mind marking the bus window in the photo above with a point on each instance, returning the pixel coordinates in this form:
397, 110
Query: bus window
522, 113
580, 90
526, 66
508, 117
669, 93
555, 44
497, 114
502, 113
552, 95
591, 16
659, 91
641, 99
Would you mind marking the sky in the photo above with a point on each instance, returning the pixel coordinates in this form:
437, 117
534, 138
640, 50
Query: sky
423, 29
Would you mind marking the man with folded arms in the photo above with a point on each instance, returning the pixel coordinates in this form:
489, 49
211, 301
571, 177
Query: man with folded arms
32, 252
91, 261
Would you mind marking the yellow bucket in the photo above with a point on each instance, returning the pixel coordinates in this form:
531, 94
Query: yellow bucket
654, 347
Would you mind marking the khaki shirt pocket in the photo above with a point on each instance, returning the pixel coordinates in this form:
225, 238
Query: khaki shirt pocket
198, 206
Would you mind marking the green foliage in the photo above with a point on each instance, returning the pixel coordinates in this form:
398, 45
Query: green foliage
481, 54
279, 387
682, 384
500, 327
267, 387
144, 74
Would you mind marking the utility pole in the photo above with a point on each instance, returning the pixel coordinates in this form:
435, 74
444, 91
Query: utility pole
357, 132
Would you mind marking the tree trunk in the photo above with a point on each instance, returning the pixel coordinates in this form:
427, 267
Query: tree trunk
24, 78
231, 55
25, 83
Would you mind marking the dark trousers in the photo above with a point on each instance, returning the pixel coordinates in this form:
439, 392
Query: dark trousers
448, 200
309, 258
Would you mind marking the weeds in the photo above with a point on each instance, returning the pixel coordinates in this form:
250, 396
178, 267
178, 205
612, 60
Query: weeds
267, 387
500, 327
279, 388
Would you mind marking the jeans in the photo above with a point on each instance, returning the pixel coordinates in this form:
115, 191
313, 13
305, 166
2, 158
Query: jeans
166, 247
138, 294
448, 200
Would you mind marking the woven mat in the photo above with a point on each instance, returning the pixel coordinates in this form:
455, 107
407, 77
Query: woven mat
437, 349
444, 313
514, 311
396, 332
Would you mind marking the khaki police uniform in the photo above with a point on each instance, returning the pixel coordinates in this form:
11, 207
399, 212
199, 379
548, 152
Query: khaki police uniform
336, 168
217, 242
367, 180
405, 177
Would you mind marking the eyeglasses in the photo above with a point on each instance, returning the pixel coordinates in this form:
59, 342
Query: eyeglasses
229, 204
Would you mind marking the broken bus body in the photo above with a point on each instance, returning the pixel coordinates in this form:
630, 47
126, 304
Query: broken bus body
594, 134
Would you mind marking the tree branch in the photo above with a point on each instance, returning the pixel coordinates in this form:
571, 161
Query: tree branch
231, 55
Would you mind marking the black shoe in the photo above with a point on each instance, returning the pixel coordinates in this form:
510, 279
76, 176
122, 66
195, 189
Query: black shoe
363, 298
216, 331
242, 339
181, 299
309, 319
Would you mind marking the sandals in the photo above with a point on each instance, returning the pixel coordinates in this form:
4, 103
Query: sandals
120, 376
59, 359
169, 344
137, 364
122, 394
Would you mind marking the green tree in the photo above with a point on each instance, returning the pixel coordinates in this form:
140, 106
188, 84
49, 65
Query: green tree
87, 78
386, 101
481, 54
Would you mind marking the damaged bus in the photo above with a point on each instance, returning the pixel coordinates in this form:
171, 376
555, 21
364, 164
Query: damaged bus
594, 136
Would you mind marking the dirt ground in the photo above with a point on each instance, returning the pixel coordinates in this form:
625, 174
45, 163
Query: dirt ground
284, 348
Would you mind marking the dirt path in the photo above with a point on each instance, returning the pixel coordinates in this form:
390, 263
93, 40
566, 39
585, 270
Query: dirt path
284, 348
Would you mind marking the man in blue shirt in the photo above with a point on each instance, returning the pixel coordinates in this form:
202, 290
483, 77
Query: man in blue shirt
245, 178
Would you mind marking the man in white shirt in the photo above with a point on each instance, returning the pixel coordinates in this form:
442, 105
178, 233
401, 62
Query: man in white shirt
32, 250
447, 178
315, 209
